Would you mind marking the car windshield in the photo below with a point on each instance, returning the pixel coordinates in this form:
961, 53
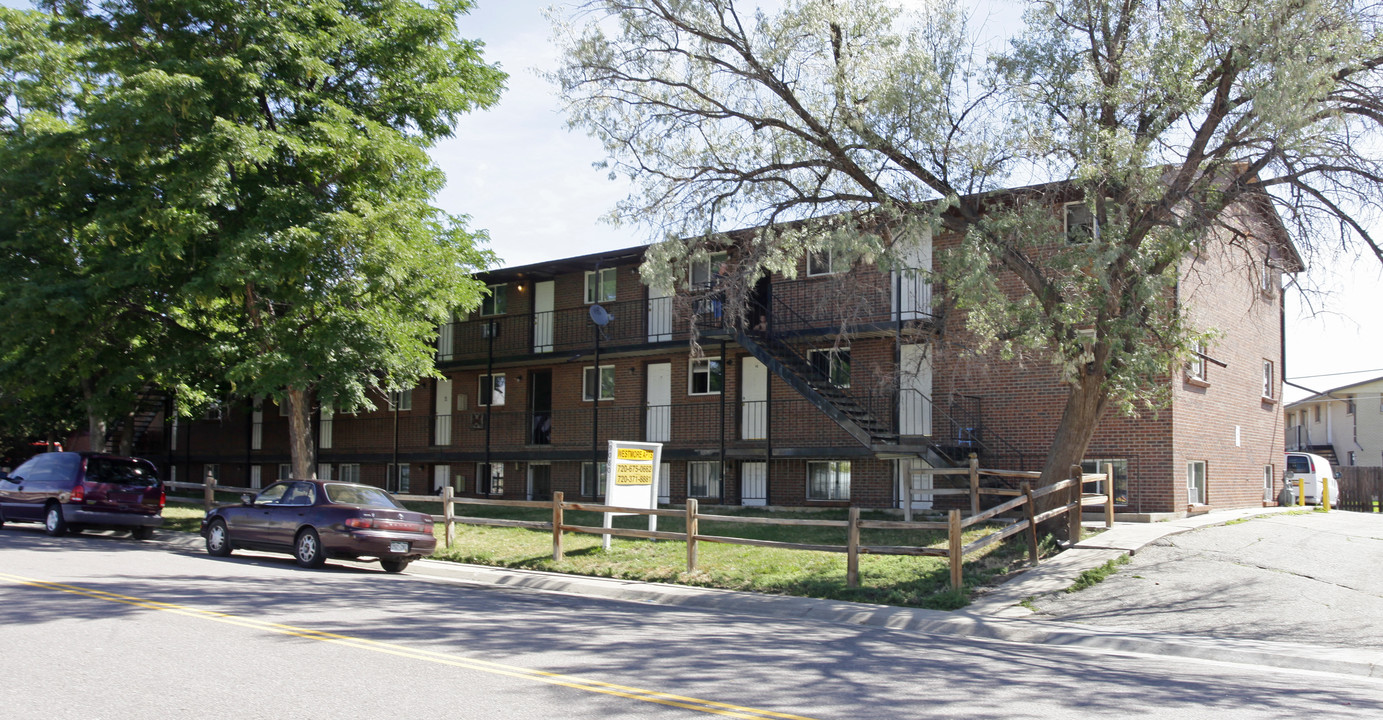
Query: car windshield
361, 495
120, 472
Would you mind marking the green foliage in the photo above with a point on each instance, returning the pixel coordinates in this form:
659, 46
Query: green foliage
1097, 575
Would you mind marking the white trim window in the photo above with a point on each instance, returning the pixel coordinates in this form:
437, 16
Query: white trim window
607, 382
702, 273
1195, 367
1269, 380
828, 480
1120, 477
401, 400
821, 263
323, 471
489, 479
1195, 482
256, 475
399, 477
286, 471
834, 364
593, 479
600, 286
1079, 223
705, 376
484, 395
495, 301
703, 479
348, 472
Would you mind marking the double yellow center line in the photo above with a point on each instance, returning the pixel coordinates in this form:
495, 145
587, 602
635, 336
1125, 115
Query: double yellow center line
440, 658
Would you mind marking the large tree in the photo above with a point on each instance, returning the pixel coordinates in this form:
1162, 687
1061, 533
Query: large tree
267, 172
866, 122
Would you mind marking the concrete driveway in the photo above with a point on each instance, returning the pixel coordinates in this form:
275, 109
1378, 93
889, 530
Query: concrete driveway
1311, 578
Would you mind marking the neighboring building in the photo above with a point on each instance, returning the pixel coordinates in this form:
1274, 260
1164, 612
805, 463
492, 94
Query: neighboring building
777, 412
1345, 425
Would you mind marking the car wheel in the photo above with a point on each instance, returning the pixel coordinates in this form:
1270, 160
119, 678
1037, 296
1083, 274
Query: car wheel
142, 532
308, 549
394, 566
218, 539
53, 521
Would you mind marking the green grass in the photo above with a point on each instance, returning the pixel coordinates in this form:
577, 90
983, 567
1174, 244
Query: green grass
886, 579
1097, 575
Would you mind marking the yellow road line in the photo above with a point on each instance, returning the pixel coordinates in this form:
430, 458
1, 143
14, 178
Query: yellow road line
441, 658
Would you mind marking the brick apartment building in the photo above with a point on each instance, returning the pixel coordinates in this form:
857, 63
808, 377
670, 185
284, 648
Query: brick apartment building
776, 411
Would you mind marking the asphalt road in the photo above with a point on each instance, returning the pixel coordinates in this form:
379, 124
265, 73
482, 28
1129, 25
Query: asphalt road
105, 627
1311, 578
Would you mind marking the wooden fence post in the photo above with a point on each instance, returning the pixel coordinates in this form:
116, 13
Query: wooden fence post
953, 533
1077, 489
449, 514
852, 549
209, 492
557, 520
1109, 495
691, 534
1031, 508
974, 484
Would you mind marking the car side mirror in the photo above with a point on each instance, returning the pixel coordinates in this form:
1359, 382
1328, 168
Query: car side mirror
247, 499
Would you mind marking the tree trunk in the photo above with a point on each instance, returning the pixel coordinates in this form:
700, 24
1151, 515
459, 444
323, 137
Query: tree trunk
95, 422
1084, 408
303, 450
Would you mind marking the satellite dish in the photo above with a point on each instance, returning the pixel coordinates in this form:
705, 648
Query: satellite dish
599, 316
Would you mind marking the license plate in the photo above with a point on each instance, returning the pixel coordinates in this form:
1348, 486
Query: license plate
398, 547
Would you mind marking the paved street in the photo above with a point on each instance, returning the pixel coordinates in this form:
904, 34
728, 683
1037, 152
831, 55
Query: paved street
118, 629
1307, 578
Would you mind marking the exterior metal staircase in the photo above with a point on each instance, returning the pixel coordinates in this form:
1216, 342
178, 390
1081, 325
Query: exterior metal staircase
149, 408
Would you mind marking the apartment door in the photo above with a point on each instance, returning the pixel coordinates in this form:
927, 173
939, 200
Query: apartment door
539, 481
915, 482
915, 391
441, 477
754, 483
542, 316
658, 415
753, 400
912, 290
659, 314
540, 407
441, 425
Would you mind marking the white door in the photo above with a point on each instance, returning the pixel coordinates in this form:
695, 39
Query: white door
542, 316
912, 290
442, 420
915, 404
658, 420
659, 314
754, 400
754, 483
915, 482
441, 477
665, 483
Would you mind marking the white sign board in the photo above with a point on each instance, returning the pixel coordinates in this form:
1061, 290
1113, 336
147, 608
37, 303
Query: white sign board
631, 479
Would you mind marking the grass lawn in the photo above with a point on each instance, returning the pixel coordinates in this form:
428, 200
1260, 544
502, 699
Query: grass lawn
893, 580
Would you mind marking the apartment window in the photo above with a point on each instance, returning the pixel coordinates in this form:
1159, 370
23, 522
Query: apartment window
703, 272
1080, 224
593, 480
256, 475
446, 338
1269, 477
491, 390
834, 365
1195, 482
327, 427
495, 302
324, 471
1195, 367
489, 479
1316, 411
285, 471
399, 477
401, 400
606, 382
1349, 404
820, 263
600, 286
1120, 476
283, 406
1351, 458
703, 479
1268, 384
706, 377
348, 472
828, 480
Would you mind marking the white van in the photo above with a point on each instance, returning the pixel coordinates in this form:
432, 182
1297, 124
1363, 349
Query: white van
1314, 473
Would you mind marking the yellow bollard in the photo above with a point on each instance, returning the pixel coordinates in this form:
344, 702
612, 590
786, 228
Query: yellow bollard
1325, 494
1301, 492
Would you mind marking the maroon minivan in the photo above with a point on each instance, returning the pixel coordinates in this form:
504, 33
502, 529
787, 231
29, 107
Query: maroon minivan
70, 491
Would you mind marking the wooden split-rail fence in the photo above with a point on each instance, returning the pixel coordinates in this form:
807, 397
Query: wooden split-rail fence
1023, 502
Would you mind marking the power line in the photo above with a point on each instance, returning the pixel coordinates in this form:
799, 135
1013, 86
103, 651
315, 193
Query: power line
1351, 372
